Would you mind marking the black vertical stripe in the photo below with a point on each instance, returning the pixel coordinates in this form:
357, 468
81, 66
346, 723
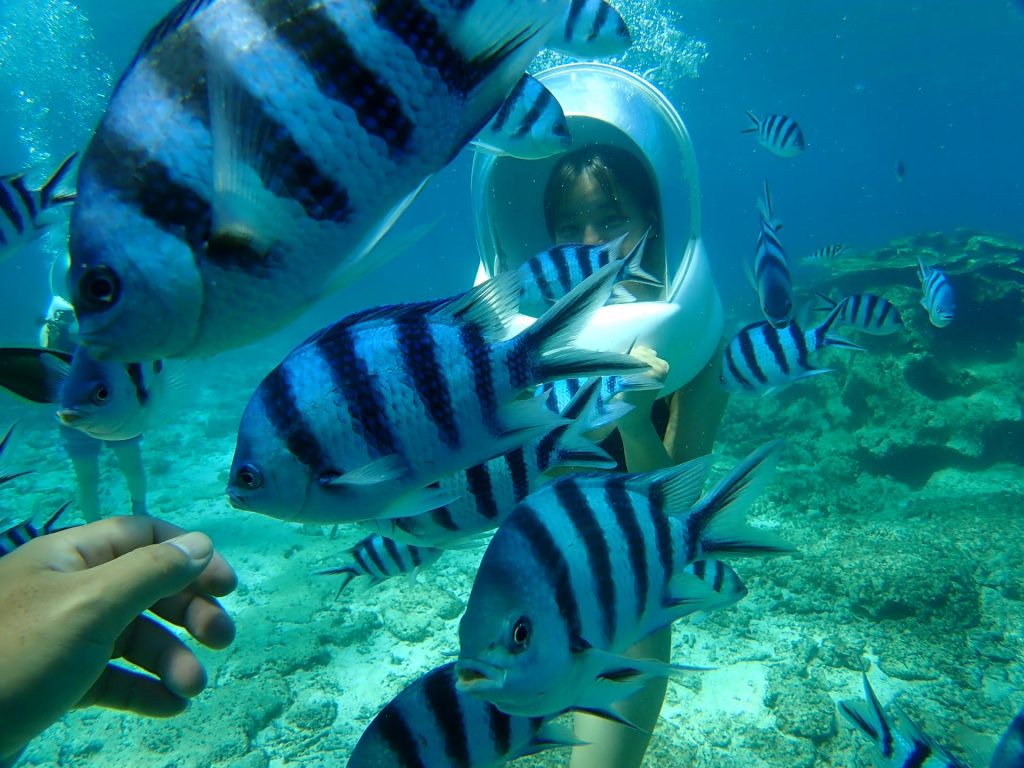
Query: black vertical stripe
588, 527
771, 338
585, 258
560, 261
16, 536
541, 103
886, 308
27, 198
790, 135
349, 374
516, 462
288, 421
369, 547
418, 350
856, 315
662, 530
500, 729
750, 357
443, 703
134, 371
546, 447
479, 481
536, 266
800, 344
399, 737
478, 352
338, 70
9, 208
414, 555
357, 555
719, 576
730, 363
394, 553
918, 755
599, 22
548, 556
572, 18
511, 101
625, 515
699, 568
442, 516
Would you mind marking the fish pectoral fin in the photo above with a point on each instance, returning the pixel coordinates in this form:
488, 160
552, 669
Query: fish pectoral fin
418, 501
550, 736
386, 469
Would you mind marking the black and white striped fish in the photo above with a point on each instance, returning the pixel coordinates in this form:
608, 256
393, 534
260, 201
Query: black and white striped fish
13, 536
771, 268
4, 477
722, 580
359, 420
829, 253
589, 565
432, 724
530, 124
866, 312
900, 745
25, 214
1009, 752
591, 29
255, 151
381, 558
938, 295
484, 495
551, 274
761, 359
779, 134
558, 394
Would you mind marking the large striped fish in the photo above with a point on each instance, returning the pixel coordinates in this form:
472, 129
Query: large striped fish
255, 151
902, 745
590, 29
484, 495
589, 565
25, 214
866, 312
761, 359
938, 295
779, 134
432, 724
530, 124
359, 420
771, 268
13, 536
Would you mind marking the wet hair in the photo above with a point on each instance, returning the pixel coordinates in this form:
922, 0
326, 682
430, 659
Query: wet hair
614, 169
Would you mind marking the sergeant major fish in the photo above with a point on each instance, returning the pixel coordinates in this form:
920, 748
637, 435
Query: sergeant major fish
13, 536
432, 724
771, 269
779, 134
381, 558
829, 253
25, 214
530, 124
938, 295
867, 312
588, 566
360, 419
590, 29
255, 150
761, 359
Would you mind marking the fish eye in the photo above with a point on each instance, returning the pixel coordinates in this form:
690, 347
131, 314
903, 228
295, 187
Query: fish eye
101, 394
99, 288
522, 630
249, 477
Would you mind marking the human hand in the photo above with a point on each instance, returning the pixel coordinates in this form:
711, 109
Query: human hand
643, 399
70, 603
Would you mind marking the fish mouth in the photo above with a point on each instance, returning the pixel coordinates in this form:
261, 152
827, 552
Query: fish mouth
236, 501
477, 677
69, 416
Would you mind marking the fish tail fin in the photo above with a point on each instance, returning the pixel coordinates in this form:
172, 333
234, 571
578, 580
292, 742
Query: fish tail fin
751, 128
348, 572
547, 345
716, 524
820, 337
48, 195
52, 519
767, 209
869, 717
632, 268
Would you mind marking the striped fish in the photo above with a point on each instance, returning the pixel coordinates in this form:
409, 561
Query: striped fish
938, 295
1009, 752
558, 394
771, 268
589, 565
12, 537
866, 312
359, 420
722, 580
381, 558
255, 150
432, 724
25, 214
829, 253
901, 747
6, 478
779, 134
551, 274
530, 124
484, 495
591, 29
761, 359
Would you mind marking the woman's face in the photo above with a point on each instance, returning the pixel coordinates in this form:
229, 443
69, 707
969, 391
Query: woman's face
590, 215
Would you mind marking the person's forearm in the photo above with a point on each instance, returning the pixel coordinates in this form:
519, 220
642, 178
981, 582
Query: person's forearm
642, 447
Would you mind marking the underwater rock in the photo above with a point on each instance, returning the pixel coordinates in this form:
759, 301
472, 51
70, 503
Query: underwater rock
800, 708
313, 716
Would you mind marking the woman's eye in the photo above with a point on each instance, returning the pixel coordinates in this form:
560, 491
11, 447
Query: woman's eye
569, 234
613, 222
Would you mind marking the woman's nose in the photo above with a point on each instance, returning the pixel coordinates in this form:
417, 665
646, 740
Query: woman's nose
592, 235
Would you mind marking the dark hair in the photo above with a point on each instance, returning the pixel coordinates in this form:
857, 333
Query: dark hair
611, 167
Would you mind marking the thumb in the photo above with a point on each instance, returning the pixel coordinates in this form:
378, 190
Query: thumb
133, 582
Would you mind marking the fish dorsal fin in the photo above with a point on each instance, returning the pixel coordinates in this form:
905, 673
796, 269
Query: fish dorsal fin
680, 486
178, 17
492, 305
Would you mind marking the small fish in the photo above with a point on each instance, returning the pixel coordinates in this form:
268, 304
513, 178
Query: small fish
900, 747
761, 359
901, 170
938, 295
590, 29
866, 312
4, 478
254, 151
589, 565
530, 124
720, 579
779, 134
484, 495
559, 394
829, 253
381, 559
12, 537
25, 214
1009, 752
551, 274
771, 268
432, 724
359, 420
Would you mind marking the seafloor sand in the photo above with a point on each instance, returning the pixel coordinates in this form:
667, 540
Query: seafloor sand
901, 486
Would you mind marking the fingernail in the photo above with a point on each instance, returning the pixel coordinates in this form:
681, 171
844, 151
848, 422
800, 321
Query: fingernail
196, 545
